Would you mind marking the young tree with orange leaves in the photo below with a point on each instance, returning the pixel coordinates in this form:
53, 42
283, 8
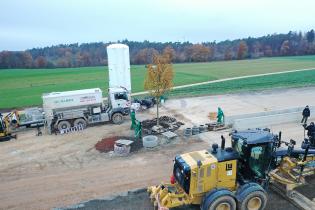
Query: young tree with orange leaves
159, 78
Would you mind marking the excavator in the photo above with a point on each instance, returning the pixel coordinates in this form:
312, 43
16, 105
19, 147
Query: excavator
236, 177
6, 124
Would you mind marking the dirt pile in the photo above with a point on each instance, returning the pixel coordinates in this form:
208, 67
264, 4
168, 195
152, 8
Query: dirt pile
168, 124
107, 144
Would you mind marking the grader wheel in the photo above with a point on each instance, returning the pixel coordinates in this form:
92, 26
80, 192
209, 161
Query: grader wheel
223, 203
251, 197
220, 199
254, 201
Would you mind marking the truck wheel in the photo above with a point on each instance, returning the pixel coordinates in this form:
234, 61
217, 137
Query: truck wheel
80, 122
251, 196
219, 200
117, 118
63, 125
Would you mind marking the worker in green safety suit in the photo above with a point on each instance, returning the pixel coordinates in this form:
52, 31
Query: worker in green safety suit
138, 130
220, 116
133, 119
135, 124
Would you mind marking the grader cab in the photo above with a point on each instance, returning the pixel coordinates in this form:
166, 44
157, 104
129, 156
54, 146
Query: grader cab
226, 178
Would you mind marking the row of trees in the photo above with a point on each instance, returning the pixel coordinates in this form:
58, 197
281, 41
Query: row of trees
94, 54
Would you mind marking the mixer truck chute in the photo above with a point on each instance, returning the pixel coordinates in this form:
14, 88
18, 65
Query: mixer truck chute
64, 110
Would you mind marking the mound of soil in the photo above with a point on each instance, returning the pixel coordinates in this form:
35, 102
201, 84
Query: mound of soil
107, 144
164, 121
168, 124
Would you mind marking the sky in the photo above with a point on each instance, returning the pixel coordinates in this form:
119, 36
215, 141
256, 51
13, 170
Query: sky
26, 24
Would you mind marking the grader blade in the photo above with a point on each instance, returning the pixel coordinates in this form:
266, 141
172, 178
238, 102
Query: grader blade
290, 175
165, 196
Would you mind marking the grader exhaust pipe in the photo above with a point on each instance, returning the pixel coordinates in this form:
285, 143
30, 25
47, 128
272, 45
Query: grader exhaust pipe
222, 142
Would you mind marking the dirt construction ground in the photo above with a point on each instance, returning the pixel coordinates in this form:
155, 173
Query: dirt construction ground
61, 170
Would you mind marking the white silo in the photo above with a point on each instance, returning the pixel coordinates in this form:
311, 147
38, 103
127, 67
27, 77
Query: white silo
119, 66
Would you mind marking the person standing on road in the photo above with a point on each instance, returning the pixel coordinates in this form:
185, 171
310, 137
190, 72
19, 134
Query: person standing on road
310, 132
220, 116
306, 114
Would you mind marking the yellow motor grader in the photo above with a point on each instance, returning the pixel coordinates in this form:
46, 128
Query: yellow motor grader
236, 177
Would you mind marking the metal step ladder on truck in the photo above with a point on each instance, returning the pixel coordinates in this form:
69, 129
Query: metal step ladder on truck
80, 108
237, 177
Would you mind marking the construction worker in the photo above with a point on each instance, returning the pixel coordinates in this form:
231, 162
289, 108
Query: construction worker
220, 116
138, 130
133, 119
306, 114
310, 132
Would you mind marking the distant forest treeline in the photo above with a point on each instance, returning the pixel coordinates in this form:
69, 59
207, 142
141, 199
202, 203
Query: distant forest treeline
94, 54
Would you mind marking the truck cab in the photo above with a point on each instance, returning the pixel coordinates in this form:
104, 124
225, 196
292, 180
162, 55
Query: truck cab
119, 99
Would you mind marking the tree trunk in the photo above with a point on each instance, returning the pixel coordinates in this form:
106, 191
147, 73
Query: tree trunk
157, 111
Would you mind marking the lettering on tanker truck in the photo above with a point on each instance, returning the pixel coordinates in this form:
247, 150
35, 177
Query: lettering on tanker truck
87, 99
82, 99
64, 100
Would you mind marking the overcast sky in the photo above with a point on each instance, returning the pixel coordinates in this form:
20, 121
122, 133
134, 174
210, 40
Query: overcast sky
37, 23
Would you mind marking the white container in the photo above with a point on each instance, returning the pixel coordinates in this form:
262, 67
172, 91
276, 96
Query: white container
67, 99
119, 66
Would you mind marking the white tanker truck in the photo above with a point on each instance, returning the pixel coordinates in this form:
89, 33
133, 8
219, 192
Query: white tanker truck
80, 108
64, 110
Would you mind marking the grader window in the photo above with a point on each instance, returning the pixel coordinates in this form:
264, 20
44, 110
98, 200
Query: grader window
257, 160
256, 152
239, 147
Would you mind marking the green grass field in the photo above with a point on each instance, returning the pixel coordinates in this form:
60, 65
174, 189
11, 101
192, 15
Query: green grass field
24, 87
292, 79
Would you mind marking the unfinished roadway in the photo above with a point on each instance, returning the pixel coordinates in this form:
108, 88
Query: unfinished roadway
56, 171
